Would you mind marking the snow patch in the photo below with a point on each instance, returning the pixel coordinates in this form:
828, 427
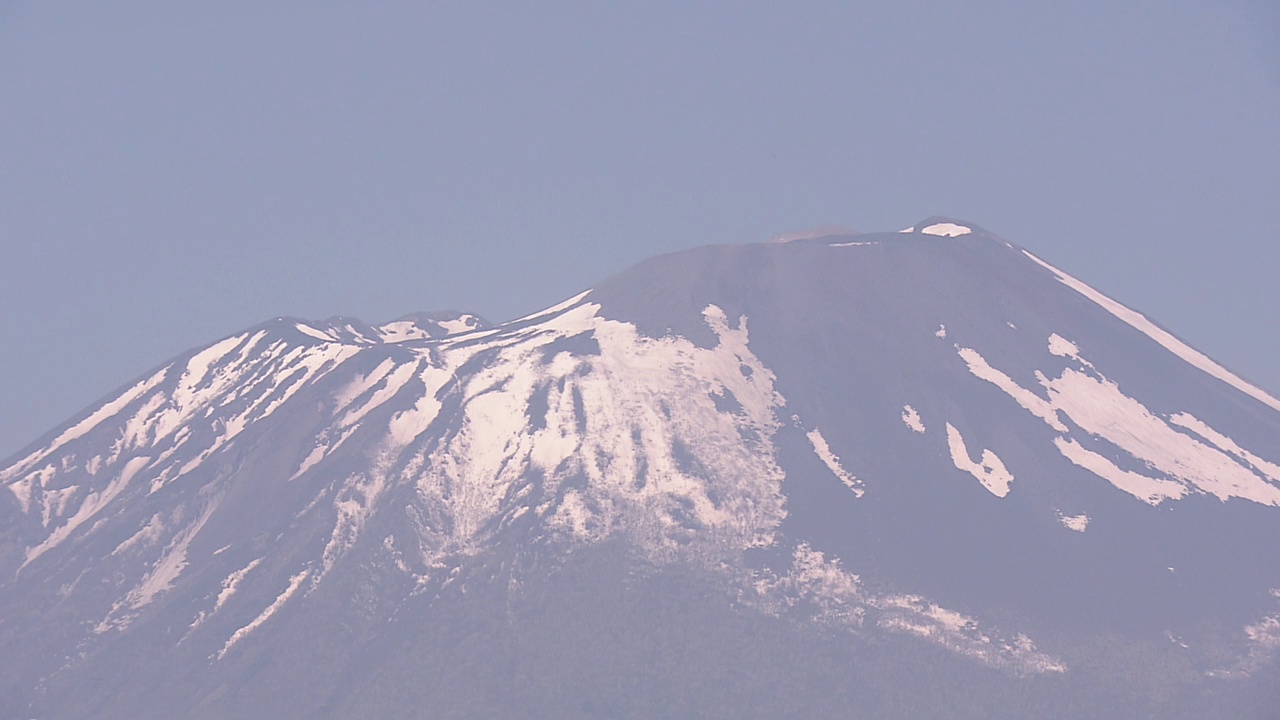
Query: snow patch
832, 461
317, 334
315, 456
911, 419
1074, 522
231, 583
400, 331
941, 332
1140, 322
460, 324
408, 425
1063, 347
147, 536
229, 586
171, 564
1222, 442
159, 578
947, 229
990, 471
833, 595
361, 384
21, 490
294, 583
662, 463
1097, 406
1150, 490
352, 504
554, 309
92, 504
1262, 642
80, 429
1031, 402
389, 386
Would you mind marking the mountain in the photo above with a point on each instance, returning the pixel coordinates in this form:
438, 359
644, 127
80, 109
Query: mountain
914, 474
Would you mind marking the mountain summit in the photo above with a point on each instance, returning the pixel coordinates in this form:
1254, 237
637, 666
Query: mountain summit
908, 474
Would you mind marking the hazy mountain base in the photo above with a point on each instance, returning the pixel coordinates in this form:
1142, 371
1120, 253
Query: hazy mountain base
602, 636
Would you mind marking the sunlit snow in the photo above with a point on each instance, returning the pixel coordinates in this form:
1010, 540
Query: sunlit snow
400, 331
989, 471
1074, 522
317, 334
92, 504
1097, 406
832, 461
1033, 403
947, 229
1142, 324
1222, 442
838, 597
461, 324
229, 586
294, 583
159, 578
911, 419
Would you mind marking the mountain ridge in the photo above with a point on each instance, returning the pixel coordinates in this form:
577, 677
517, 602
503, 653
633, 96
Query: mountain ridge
923, 437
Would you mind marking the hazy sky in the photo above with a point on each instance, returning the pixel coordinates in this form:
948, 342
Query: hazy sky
173, 172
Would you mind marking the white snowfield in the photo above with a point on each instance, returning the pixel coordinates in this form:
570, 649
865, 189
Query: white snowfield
912, 420
832, 461
989, 470
946, 229
1164, 462
839, 597
675, 443
1079, 523
294, 583
575, 425
1140, 322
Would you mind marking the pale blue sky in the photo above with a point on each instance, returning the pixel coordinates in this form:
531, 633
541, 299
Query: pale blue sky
171, 172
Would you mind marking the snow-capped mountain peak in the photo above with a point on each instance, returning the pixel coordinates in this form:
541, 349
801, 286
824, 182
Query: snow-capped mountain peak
937, 445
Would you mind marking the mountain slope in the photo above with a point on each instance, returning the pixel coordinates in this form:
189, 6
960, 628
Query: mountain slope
967, 481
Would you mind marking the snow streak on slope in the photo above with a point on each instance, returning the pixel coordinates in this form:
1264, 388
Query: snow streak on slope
838, 597
1112, 421
179, 417
159, 578
832, 461
989, 471
911, 419
78, 430
1031, 402
94, 502
1270, 470
1172, 344
294, 583
568, 426
229, 587
636, 420
1152, 491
